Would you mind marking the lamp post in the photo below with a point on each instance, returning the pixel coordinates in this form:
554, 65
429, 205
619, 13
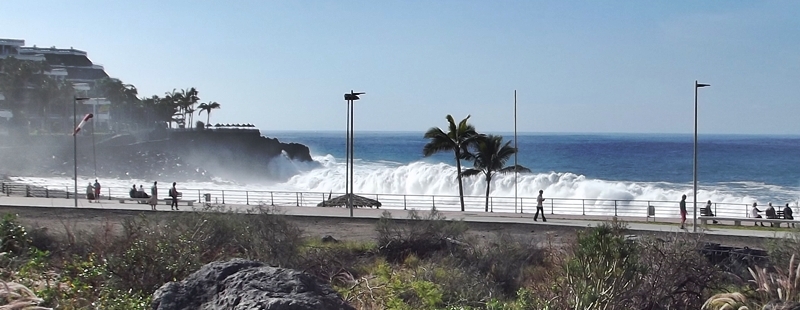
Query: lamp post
75, 142
350, 98
694, 164
516, 151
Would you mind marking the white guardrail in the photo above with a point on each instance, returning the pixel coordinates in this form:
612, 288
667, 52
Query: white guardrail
552, 205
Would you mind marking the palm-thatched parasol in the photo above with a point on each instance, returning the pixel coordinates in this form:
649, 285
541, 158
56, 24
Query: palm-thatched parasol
358, 201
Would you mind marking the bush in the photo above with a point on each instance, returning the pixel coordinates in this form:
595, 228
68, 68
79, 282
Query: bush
336, 263
421, 236
505, 259
608, 271
603, 269
14, 239
675, 274
150, 253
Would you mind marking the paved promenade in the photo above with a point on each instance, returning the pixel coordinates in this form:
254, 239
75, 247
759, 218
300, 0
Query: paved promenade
635, 224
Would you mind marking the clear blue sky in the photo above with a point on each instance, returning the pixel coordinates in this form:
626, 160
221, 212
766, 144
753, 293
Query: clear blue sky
578, 66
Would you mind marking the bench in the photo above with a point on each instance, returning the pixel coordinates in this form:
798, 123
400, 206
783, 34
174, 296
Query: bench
737, 221
188, 202
138, 200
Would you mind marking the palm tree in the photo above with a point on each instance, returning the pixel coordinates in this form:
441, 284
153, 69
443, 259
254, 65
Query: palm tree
207, 106
188, 99
456, 140
124, 98
490, 156
175, 100
162, 109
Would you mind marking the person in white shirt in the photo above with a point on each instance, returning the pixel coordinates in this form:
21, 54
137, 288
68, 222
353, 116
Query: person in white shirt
754, 213
539, 207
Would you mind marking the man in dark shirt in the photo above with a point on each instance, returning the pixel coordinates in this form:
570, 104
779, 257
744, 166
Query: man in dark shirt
683, 211
787, 213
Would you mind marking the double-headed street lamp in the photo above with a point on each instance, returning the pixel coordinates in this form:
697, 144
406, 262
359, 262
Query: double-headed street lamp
348, 180
694, 165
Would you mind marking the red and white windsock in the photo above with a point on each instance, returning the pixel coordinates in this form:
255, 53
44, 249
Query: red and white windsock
83, 122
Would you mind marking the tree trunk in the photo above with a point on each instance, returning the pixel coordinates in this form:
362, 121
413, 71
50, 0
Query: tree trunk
488, 184
460, 183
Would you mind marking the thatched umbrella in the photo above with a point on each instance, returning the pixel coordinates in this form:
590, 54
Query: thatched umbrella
358, 201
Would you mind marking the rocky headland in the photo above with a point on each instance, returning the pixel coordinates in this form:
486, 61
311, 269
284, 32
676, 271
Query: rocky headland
180, 155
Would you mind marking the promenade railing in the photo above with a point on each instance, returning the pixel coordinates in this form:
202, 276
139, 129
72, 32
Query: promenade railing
552, 206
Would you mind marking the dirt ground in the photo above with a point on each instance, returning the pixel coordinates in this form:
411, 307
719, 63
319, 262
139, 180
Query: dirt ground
58, 220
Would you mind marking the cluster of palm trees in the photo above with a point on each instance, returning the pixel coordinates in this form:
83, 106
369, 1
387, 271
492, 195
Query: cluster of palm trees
37, 99
488, 153
179, 107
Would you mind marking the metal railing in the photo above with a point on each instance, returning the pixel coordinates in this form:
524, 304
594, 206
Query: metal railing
552, 205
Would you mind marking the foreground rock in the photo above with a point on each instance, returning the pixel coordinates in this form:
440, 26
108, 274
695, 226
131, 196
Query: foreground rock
244, 284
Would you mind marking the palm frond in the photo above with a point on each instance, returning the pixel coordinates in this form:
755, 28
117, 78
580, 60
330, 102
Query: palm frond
511, 169
471, 172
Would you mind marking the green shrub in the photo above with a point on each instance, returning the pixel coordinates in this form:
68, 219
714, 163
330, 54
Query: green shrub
603, 269
14, 239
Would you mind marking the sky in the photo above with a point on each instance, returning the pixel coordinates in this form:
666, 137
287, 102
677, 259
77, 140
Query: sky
577, 66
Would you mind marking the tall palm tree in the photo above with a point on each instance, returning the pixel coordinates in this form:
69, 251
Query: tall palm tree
455, 139
188, 99
123, 97
490, 155
175, 100
207, 106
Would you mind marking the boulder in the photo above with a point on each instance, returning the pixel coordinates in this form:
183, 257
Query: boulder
243, 284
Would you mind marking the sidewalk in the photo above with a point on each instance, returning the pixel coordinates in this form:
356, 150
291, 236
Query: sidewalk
635, 224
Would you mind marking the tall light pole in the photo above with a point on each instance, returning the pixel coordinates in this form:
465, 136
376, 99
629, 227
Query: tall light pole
694, 165
75, 142
516, 151
350, 98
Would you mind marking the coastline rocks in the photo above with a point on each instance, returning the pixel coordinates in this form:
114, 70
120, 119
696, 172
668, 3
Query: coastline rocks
163, 154
244, 284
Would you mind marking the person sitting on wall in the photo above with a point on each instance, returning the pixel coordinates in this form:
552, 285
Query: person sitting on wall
133, 192
770, 213
142, 193
706, 211
787, 213
754, 214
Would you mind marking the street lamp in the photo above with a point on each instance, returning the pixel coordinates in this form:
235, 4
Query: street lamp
350, 98
694, 164
75, 142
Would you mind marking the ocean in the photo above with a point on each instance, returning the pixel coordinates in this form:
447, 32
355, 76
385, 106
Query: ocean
658, 167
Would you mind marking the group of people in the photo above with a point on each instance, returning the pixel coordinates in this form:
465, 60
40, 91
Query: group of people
770, 212
173, 193
93, 191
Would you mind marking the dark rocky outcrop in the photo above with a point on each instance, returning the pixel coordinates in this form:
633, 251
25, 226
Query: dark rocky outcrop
244, 284
162, 154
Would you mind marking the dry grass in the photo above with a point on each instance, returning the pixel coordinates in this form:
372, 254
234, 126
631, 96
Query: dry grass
15, 296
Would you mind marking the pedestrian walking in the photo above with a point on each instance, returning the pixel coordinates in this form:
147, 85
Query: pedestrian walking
154, 195
683, 211
173, 193
539, 207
